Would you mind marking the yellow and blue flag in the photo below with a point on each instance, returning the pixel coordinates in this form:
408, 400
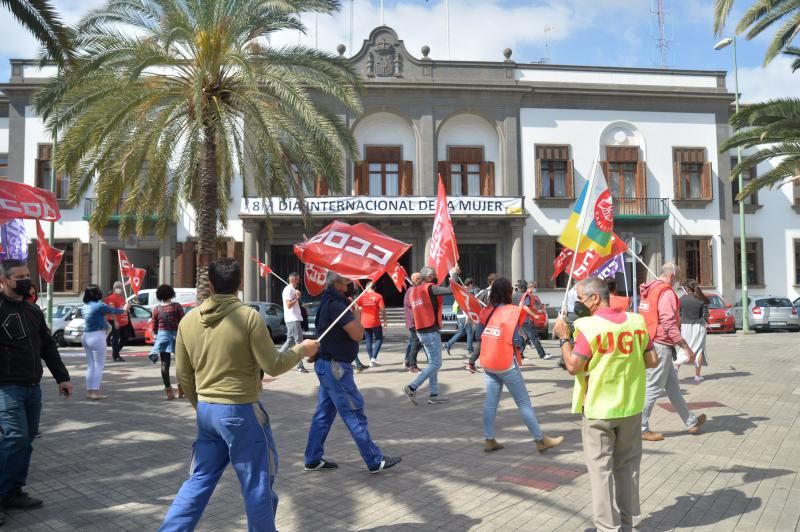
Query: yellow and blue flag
594, 214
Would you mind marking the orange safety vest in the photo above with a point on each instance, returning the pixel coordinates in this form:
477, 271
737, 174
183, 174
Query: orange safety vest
497, 340
648, 306
422, 307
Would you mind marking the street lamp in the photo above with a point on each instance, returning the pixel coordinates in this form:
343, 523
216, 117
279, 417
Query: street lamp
724, 43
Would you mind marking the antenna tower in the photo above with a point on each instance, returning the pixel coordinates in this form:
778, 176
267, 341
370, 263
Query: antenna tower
662, 43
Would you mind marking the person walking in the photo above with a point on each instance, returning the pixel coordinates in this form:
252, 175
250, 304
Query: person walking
426, 307
529, 303
373, 319
293, 316
659, 306
413, 344
338, 392
500, 359
166, 317
477, 328
121, 328
94, 313
614, 348
25, 341
465, 327
694, 316
221, 350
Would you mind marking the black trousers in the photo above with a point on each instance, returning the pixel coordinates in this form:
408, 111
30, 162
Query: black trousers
412, 348
118, 338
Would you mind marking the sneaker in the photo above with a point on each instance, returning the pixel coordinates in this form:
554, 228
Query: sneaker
321, 465
386, 463
447, 348
301, 369
653, 436
153, 357
119, 359
548, 356
411, 394
373, 363
491, 445
698, 379
471, 368
20, 499
548, 443
435, 399
694, 429
360, 369
413, 369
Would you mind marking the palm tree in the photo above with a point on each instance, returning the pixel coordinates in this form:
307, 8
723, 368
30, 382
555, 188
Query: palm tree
760, 16
41, 19
169, 101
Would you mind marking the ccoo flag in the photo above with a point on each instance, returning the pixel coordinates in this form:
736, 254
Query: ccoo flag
594, 213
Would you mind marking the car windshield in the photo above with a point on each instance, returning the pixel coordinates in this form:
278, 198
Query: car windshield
61, 311
774, 302
715, 302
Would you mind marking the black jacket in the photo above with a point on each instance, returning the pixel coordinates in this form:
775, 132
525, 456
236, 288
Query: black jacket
25, 341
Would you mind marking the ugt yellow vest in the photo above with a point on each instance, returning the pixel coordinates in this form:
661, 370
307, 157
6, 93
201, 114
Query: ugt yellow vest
614, 387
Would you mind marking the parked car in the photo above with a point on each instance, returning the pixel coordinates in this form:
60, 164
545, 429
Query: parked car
272, 314
60, 314
148, 333
767, 313
140, 319
720, 315
796, 304
147, 297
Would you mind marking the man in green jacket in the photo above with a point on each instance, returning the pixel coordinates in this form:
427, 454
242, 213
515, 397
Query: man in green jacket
221, 350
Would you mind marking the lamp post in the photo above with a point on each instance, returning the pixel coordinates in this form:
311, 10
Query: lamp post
742, 245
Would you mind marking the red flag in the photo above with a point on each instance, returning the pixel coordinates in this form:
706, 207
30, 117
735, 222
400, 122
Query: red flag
136, 278
314, 279
18, 200
125, 266
398, 275
263, 269
466, 301
587, 261
49, 257
354, 251
443, 251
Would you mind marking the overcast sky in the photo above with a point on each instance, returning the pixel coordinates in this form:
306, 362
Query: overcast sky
580, 32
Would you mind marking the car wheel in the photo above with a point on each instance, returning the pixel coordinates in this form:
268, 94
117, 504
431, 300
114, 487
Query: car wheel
58, 337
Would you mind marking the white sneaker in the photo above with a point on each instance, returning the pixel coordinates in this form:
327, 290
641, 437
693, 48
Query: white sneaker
373, 363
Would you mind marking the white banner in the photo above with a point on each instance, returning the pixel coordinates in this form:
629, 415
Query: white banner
413, 205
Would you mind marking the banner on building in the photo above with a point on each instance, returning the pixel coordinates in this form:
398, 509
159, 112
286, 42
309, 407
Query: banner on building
48, 257
412, 205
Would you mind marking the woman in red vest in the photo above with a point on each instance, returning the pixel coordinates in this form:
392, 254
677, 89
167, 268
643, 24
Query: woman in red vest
500, 359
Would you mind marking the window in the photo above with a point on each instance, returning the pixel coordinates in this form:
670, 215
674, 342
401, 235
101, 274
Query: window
64, 279
554, 177
465, 173
695, 259
383, 173
691, 174
44, 169
546, 249
755, 261
3, 165
752, 199
797, 262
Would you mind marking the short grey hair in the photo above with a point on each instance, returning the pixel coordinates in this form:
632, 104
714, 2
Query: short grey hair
670, 268
334, 277
594, 285
426, 272
117, 284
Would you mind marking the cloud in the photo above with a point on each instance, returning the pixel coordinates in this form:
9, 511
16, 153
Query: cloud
758, 84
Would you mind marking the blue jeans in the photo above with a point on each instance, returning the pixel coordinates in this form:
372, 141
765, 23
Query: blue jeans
513, 380
432, 343
374, 338
338, 393
464, 328
236, 434
532, 337
20, 409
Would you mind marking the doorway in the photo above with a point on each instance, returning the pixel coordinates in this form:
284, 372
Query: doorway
477, 261
146, 259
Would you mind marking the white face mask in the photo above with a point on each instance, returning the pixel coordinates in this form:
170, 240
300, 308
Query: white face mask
118, 290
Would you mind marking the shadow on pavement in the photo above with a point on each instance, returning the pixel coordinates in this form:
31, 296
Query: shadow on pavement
689, 511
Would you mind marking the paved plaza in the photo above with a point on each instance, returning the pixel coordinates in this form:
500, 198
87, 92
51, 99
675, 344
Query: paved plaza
116, 464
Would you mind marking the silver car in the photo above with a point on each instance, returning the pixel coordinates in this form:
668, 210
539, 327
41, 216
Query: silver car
140, 321
60, 314
768, 313
272, 314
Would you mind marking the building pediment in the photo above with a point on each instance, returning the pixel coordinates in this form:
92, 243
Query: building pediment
384, 57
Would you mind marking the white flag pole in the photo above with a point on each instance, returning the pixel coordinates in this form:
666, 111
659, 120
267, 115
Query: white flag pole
352, 303
281, 279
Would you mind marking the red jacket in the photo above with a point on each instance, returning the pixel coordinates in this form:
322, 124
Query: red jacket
117, 301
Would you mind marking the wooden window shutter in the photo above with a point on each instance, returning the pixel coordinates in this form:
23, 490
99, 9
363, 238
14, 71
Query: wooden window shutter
33, 264
680, 257
84, 265
320, 186
641, 179
707, 185
538, 176
487, 178
545, 253
360, 170
677, 180
622, 154
407, 179
569, 180
606, 171
706, 262
443, 168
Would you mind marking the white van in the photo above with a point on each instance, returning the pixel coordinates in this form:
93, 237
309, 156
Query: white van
147, 297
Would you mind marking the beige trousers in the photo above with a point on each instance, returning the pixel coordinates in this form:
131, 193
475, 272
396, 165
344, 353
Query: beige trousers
613, 451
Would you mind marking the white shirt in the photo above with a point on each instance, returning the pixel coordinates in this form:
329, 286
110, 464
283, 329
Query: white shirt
293, 313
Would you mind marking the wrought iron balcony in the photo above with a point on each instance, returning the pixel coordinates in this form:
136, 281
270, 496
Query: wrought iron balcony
641, 208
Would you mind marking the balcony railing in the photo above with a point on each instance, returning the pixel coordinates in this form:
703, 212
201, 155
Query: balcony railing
641, 208
90, 204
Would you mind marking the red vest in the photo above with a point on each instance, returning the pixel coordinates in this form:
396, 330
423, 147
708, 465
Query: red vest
497, 340
422, 307
622, 303
648, 306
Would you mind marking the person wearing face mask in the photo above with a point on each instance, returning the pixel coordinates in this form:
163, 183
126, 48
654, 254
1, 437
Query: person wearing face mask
121, 328
660, 308
25, 341
609, 359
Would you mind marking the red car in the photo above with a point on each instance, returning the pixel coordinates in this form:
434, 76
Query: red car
720, 315
148, 333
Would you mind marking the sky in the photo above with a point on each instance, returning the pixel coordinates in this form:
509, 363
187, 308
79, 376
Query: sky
621, 33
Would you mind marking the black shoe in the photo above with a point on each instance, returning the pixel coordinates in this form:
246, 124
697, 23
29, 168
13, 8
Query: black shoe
119, 359
321, 465
386, 463
20, 499
447, 348
301, 369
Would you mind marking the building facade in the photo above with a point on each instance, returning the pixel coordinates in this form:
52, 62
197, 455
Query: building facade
514, 144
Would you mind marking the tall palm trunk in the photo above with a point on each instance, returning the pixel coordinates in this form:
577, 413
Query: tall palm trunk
207, 213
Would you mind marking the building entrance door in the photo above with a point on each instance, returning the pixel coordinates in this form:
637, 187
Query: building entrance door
477, 261
147, 259
385, 286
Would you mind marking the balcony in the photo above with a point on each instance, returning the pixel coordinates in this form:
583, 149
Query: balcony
655, 209
90, 204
